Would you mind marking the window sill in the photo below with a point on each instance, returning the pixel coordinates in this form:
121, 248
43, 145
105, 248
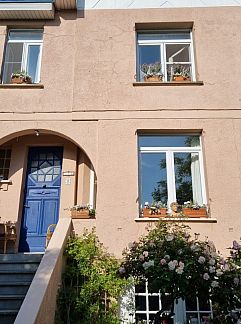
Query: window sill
164, 84
22, 86
171, 219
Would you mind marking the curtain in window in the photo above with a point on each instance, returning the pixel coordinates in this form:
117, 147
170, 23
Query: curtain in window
196, 179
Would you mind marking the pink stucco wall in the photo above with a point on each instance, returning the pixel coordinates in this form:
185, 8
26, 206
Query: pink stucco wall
88, 69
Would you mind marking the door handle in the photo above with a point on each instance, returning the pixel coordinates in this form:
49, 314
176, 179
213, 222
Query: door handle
26, 206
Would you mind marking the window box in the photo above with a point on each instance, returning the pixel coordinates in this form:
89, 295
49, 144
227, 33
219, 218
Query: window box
149, 212
80, 214
168, 53
190, 212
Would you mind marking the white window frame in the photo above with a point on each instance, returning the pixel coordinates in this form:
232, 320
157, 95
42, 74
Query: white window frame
170, 168
26, 43
180, 311
162, 44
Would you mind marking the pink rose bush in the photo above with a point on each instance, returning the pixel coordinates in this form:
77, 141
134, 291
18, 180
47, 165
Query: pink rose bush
176, 264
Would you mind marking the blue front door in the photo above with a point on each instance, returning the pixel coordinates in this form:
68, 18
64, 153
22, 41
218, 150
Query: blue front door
42, 193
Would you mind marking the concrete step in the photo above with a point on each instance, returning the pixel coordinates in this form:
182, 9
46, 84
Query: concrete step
21, 257
24, 275
7, 266
12, 302
8, 316
16, 274
17, 287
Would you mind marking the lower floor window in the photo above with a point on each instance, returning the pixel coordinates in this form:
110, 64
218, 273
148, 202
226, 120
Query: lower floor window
171, 170
140, 306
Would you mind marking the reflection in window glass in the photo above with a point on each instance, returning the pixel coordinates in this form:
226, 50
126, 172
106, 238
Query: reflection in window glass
148, 55
153, 178
169, 141
187, 178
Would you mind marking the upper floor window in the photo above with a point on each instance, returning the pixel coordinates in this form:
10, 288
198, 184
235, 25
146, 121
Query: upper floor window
23, 55
171, 169
5, 157
165, 55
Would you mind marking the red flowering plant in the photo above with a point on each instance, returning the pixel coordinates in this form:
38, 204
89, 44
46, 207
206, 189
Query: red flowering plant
174, 263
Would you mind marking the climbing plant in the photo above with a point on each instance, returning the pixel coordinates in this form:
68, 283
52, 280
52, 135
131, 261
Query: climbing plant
91, 285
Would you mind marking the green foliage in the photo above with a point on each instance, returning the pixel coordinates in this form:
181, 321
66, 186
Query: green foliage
91, 284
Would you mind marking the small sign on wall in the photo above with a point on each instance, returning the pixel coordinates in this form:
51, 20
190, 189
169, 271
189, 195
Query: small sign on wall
68, 173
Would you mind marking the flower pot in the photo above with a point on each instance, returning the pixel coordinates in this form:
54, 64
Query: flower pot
181, 78
80, 214
154, 78
20, 80
190, 212
148, 212
17, 80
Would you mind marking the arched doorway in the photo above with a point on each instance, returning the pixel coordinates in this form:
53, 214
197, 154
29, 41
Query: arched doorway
47, 175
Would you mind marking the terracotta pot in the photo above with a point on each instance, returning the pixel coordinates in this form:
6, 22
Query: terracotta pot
190, 212
17, 80
154, 78
181, 78
80, 214
147, 212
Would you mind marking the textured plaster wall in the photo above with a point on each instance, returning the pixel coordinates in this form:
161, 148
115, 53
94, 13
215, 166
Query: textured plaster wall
88, 68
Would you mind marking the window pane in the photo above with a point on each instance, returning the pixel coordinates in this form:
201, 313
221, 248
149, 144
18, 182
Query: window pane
169, 141
148, 55
204, 304
165, 35
141, 288
153, 178
187, 178
33, 62
205, 319
177, 53
140, 303
192, 318
153, 303
175, 71
28, 35
141, 318
10, 68
191, 304
14, 52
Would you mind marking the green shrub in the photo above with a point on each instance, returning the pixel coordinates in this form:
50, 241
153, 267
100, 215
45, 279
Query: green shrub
91, 284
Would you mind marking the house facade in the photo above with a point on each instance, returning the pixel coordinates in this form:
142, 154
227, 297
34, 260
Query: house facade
105, 121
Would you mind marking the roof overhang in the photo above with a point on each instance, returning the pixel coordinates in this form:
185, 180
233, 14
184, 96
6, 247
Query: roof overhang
26, 10
33, 9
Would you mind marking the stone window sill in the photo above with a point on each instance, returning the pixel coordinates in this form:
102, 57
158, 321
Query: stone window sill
22, 86
164, 84
171, 219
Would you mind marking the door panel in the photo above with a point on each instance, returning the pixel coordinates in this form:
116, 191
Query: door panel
42, 193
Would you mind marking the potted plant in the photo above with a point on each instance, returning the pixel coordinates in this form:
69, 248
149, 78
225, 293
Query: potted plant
157, 209
20, 77
194, 210
82, 211
181, 73
152, 72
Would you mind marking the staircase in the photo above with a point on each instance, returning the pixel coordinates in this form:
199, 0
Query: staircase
16, 274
